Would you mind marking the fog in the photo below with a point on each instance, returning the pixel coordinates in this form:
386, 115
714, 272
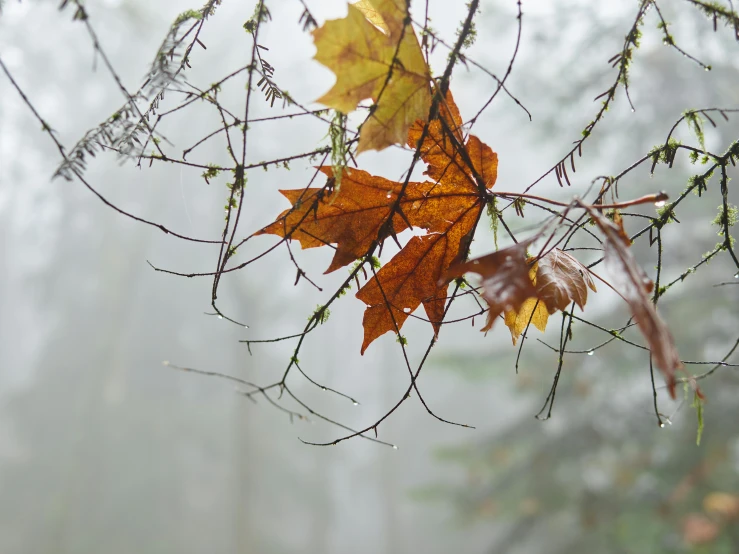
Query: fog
106, 448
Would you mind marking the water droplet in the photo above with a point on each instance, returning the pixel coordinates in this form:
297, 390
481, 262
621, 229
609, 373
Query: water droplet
355, 402
736, 275
407, 310
659, 203
323, 388
389, 195
591, 353
246, 326
662, 425
395, 447
632, 110
220, 317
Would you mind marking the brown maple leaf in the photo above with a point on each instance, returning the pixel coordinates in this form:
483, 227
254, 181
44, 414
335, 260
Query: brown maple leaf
559, 279
355, 218
526, 289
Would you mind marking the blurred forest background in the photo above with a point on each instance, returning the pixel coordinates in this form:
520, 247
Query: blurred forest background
103, 449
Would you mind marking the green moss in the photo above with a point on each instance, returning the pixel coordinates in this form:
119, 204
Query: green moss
493, 212
210, 173
320, 314
725, 218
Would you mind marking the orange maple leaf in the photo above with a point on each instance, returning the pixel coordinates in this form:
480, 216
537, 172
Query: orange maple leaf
355, 218
448, 208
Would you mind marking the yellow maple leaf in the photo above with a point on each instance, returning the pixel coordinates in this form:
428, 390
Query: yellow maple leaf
376, 55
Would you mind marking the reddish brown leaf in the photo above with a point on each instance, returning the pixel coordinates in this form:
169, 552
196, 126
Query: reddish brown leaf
634, 285
412, 276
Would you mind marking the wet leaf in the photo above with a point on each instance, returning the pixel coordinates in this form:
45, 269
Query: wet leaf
448, 208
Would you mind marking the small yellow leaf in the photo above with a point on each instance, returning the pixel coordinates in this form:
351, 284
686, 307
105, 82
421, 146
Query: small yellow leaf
533, 310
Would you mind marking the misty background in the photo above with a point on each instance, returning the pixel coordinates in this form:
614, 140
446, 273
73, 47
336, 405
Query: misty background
105, 449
